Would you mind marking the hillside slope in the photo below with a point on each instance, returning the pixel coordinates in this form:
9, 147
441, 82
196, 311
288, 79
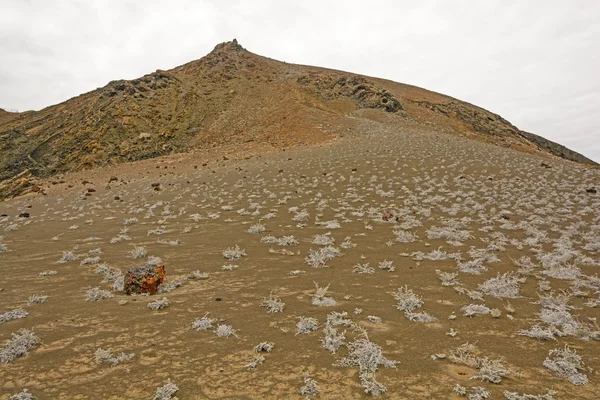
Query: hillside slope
230, 97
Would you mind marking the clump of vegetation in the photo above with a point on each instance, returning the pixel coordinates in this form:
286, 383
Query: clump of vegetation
541, 333
310, 388
320, 297
97, 294
234, 253
323, 240
387, 265
166, 392
264, 347
363, 269
367, 356
423, 317
68, 256
516, 396
24, 395
17, 313
338, 318
505, 285
332, 340
137, 252
408, 302
204, 323
173, 284
158, 304
257, 229
306, 325
491, 370
474, 393
225, 331
447, 278
35, 299
273, 304
488, 370
19, 345
255, 362
475, 309
105, 356
407, 299
567, 364
318, 258
90, 260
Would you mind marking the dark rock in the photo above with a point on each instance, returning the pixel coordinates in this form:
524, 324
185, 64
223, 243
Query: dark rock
24, 215
592, 190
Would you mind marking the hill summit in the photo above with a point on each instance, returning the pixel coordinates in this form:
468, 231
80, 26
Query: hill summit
232, 97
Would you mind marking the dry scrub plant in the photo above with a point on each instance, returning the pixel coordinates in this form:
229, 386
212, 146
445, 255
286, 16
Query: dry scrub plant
367, 356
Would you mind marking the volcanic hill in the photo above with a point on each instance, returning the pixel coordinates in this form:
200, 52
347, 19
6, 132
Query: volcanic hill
235, 98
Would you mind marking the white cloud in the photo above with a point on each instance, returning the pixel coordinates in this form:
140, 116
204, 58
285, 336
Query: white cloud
532, 62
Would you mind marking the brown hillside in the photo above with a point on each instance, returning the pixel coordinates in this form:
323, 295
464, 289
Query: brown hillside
230, 97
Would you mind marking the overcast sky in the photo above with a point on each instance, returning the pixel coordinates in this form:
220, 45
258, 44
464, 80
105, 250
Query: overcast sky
536, 63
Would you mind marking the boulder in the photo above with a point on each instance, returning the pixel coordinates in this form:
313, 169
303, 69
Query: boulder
145, 279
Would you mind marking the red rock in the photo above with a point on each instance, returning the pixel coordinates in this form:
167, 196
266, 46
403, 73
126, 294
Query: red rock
145, 279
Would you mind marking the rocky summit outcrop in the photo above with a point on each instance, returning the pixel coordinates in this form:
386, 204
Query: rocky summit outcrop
230, 97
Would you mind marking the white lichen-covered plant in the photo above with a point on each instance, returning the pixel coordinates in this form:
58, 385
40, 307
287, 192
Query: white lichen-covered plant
166, 392
488, 370
204, 323
264, 347
19, 345
104, 356
367, 356
137, 252
234, 253
68, 256
310, 388
97, 294
225, 331
273, 304
306, 325
24, 395
158, 304
17, 313
567, 364
320, 297
503, 285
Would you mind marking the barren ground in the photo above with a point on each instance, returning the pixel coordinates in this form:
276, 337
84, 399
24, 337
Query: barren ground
493, 206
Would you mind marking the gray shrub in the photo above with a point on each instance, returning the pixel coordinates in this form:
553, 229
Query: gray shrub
19, 345
17, 313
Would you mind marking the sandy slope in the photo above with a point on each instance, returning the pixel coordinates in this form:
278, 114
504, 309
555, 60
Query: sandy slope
509, 204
